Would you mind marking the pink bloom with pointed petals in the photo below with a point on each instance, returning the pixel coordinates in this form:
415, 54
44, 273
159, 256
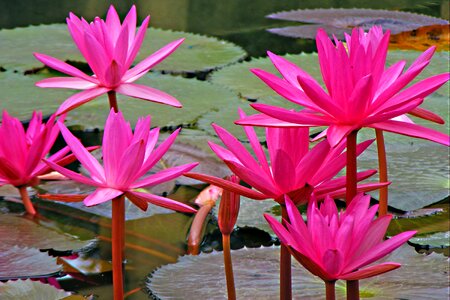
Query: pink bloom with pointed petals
21, 152
127, 157
294, 169
109, 48
360, 91
335, 245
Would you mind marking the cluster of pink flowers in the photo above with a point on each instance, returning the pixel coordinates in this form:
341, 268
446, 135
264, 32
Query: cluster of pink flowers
360, 92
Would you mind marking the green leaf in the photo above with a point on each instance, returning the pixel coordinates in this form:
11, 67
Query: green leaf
20, 97
437, 240
256, 273
197, 53
31, 290
418, 170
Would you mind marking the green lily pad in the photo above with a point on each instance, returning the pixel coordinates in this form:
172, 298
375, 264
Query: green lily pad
197, 97
418, 170
197, 53
338, 21
16, 230
31, 290
20, 97
424, 224
23, 262
437, 240
256, 277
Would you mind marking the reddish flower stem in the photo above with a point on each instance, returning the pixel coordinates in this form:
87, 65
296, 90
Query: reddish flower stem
195, 234
330, 290
285, 265
26, 200
352, 286
113, 101
118, 225
351, 167
383, 173
231, 291
352, 290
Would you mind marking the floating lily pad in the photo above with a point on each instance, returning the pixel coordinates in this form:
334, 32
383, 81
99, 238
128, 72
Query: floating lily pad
338, 21
20, 97
437, 240
197, 53
23, 262
425, 225
19, 231
418, 169
104, 209
31, 290
256, 273
197, 97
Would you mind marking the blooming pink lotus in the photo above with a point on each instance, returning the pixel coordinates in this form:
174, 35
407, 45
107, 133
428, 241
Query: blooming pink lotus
21, 152
361, 92
336, 245
109, 48
294, 169
127, 157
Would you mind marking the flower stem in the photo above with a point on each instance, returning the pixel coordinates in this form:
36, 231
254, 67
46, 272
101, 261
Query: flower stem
383, 173
352, 286
330, 290
113, 101
351, 167
118, 224
26, 200
231, 291
285, 265
352, 290
195, 234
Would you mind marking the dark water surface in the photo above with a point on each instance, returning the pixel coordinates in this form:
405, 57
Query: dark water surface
161, 239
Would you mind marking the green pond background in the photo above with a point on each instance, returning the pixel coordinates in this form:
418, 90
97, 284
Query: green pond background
160, 239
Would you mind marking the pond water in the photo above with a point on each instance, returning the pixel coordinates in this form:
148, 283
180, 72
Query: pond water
161, 239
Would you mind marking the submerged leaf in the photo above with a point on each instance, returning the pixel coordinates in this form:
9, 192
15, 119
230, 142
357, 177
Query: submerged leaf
256, 274
197, 53
338, 21
31, 290
422, 38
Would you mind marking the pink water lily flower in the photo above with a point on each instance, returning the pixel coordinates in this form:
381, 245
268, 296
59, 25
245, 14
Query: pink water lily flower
335, 245
21, 152
360, 92
109, 48
127, 157
294, 169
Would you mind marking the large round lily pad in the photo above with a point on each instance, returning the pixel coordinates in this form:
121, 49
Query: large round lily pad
31, 290
256, 277
338, 21
418, 170
23, 262
197, 53
437, 240
20, 97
